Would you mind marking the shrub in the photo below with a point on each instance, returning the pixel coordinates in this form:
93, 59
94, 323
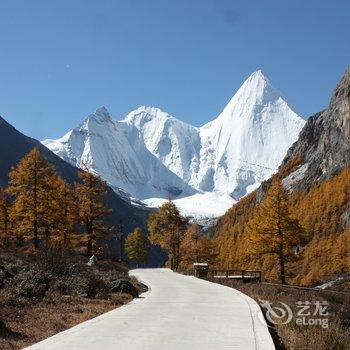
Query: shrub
85, 284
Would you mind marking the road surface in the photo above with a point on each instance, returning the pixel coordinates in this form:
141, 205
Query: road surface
177, 313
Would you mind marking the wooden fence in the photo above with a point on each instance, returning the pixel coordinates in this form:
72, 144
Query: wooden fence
240, 275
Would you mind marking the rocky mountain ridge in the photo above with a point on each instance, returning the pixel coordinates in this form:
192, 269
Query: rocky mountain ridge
323, 146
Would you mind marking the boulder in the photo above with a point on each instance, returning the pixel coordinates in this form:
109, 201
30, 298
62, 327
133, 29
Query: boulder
142, 287
92, 261
124, 286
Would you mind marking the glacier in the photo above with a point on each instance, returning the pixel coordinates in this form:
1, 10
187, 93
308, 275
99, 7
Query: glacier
152, 156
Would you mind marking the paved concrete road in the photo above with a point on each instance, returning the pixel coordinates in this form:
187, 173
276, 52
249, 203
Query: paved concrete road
177, 313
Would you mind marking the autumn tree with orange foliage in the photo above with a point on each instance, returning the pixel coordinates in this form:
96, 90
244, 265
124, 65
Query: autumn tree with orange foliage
189, 252
197, 247
231, 237
167, 227
324, 212
91, 193
5, 223
273, 231
137, 246
67, 212
31, 183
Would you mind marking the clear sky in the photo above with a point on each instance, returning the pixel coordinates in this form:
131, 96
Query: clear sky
62, 59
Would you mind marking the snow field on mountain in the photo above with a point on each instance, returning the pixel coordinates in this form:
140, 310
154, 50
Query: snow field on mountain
200, 205
152, 156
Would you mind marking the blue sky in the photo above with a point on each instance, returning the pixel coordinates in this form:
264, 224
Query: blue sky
60, 60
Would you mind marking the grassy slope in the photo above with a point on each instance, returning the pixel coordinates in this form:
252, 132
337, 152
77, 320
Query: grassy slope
48, 294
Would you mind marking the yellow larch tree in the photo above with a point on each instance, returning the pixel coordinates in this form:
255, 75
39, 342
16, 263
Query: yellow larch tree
66, 213
31, 185
137, 246
197, 247
91, 192
167, 227
5, 224
273, 231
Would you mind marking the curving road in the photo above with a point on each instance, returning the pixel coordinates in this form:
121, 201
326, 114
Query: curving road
177, 313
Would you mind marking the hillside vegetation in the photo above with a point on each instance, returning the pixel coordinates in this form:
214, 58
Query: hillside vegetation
316, 176
322, 211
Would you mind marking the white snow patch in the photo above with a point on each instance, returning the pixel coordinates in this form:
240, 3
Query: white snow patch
199, 206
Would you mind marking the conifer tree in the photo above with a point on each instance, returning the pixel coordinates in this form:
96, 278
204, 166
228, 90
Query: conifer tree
4, 218
137, 246
166, 228
189, 246
91, 193
197, 247
272, 229
67, 212
31, 184
207, 251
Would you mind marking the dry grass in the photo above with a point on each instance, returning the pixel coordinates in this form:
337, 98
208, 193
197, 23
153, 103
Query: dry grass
304, 337
32, 323
47, 294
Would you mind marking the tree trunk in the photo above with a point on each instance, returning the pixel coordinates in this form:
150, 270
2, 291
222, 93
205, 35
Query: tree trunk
35, 224
89, 247
35, 230
282, 270
6, 231
281, 252
89, 232
47, 235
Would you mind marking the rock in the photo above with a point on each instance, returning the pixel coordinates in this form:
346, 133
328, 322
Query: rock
124, 286
323, 143
92, 261
142, 287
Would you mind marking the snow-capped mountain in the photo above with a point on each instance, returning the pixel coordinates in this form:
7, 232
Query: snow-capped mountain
115, 151
245, 144
175, 143
151, 154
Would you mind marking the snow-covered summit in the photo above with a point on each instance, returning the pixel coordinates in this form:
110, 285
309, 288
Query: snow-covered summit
101, 115
257, 90
151, 154
249, 138
145, 114
117, 153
